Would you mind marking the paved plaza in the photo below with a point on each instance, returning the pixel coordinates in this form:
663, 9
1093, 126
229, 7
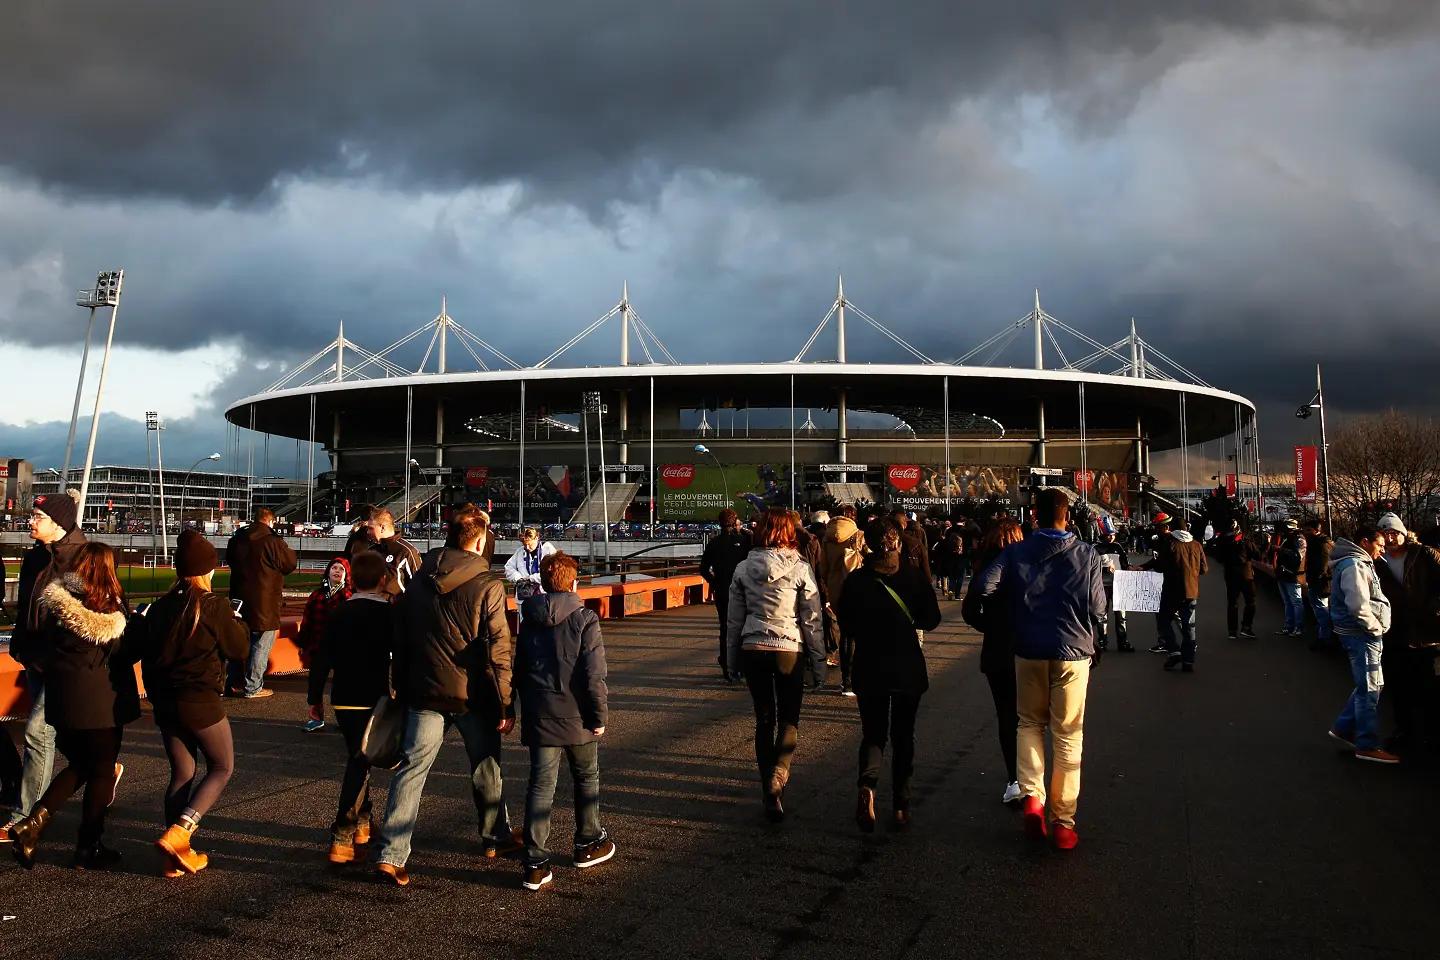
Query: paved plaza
1216, 821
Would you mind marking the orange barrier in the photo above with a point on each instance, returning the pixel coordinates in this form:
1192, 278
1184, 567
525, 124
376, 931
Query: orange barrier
611, 601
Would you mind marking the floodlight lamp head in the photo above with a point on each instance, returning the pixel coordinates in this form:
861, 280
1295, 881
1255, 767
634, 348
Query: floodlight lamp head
1304, 412
213, 456
414, 462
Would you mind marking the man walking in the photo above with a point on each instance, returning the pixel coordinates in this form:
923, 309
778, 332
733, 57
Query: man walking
259, 560
1361, 618
1053, 596
1317, 580
55, 528
841, 553
725, 551
453, 652
1236, 554
1182, 563
1410, 576
1290, 575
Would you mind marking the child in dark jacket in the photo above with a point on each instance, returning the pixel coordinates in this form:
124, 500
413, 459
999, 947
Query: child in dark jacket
559, 675
356, 646
327, 598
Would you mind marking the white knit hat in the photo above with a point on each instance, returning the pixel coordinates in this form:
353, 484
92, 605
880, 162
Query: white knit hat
1390, 521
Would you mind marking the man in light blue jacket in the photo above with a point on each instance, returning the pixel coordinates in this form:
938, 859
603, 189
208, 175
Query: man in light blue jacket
1360, 617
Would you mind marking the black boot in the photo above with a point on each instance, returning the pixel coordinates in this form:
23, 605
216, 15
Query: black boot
96, 856
25, 836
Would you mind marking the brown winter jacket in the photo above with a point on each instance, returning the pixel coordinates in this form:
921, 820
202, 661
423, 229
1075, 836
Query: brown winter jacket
259, 561
1183, 564
1415, 602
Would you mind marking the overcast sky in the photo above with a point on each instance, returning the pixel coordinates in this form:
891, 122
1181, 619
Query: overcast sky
1256, 181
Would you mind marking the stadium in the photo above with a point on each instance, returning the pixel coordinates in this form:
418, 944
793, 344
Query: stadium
672, 443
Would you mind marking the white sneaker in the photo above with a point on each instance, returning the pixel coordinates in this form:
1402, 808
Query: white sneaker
1012, 792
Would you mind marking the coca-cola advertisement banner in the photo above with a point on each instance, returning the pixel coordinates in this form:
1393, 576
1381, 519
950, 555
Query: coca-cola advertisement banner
922, 486
1306, 486
549, 491
699, 491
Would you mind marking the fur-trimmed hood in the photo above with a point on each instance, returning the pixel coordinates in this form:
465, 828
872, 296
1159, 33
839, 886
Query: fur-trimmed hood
59, 600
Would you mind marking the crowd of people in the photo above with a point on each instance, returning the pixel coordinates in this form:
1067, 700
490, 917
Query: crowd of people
412, 646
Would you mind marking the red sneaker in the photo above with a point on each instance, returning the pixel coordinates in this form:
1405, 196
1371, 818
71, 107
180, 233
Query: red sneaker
1065, 838
1032, 815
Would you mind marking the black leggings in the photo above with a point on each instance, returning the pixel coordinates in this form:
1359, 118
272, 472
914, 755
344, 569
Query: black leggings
777, 685
888, 716
90, 756
182, 744
1002, 691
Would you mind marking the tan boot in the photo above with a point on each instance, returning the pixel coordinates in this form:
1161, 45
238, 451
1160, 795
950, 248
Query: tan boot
342, 853
176, 843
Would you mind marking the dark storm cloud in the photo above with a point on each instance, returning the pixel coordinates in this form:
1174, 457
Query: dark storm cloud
587, 101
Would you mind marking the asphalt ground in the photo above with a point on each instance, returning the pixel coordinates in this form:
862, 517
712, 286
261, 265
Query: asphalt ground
1216, 820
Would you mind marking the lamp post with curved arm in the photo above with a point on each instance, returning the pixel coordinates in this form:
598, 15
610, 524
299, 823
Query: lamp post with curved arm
184, 487
705, 451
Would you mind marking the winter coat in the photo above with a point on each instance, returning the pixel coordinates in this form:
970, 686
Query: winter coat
775, 605
453, 645
1236, 555
181, 664
1414, 599
997, 649
1358, 607
1317, 564
259, 560
356, 647
888, 657
43, 563
322, 603
809, 548
401, 558
560, 672
1053, 595
725, 551
80, 688
914, 551
517, 570
1290, 560
842, 551
1122, 559
1182, 561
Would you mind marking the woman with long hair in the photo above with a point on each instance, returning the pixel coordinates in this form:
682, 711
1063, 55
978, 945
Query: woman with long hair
775, 637
83, 618
186, 637
997, 660
884, 605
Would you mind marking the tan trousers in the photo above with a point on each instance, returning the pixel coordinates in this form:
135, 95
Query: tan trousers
1051, 693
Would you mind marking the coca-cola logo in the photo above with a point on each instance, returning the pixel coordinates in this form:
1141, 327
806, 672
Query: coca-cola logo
678, 476
905, 476
477, 476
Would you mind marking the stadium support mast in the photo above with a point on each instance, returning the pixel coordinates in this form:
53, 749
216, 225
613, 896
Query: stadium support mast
1039, 334
842, 433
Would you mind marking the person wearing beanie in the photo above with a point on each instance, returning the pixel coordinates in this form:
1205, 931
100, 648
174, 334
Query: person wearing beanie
181, 644
55, 528
1409, 575
331, 593
259, 560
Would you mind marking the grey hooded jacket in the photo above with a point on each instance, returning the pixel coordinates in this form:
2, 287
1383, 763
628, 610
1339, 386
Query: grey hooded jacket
1358, 607
775, 605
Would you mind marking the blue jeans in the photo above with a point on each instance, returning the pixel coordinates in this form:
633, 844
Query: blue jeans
251, 673
1360, 714
424, 732
39, 760
1321, 608
1294, 606
540, 798
1179, 608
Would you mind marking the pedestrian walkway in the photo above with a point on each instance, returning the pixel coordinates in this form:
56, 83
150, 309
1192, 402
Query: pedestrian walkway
1215, 821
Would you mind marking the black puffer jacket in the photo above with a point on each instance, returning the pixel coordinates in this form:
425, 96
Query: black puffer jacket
1317, 564
560, 672
888, 658
43, 563
1237, 555
402, 559
82, 692
453, 646
184, 664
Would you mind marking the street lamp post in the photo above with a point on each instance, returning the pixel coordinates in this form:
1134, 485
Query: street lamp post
1318, 403
106, 294
152, 422
705, 451
184, 487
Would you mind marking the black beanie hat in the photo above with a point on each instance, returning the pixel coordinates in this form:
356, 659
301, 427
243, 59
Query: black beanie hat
59, 507
194, 556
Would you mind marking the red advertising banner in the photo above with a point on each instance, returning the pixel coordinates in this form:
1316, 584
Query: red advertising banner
1306, 459
1232, 485
1084, 480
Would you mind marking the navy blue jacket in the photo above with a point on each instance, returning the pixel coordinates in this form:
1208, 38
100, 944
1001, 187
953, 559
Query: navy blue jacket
1052, 593
559, 672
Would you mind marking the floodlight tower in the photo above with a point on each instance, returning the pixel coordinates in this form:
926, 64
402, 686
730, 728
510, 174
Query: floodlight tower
105, 294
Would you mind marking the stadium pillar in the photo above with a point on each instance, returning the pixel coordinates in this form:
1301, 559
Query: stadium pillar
520, 512
1040, 435
440, 432
947, 445
624, 362
652, 458
842, 434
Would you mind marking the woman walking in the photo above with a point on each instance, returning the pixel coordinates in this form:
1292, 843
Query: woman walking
882, 607
82, 620
997, 661
775, 637
186, 637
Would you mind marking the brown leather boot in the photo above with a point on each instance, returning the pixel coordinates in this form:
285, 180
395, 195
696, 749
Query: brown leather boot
176, 843
342, 853
25, 836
